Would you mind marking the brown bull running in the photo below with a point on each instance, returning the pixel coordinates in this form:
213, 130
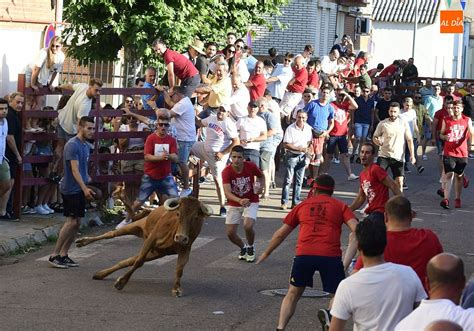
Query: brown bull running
167, 230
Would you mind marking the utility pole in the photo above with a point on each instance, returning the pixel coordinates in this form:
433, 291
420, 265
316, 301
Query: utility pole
415, 27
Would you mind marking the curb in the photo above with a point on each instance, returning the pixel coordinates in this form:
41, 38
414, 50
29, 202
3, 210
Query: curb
9, 246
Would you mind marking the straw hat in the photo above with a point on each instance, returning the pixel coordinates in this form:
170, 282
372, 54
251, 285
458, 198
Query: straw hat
198, 45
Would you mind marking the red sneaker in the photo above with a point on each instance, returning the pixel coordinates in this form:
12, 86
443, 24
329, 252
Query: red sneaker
465, 181
457, 203
444, 203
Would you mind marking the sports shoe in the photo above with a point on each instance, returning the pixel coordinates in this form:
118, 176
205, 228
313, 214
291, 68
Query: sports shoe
283, 206
352, 177
95, 221
250, 254
325, 318
40, 210
420, 169
185, 192
424, 157
54, 177
335, 161
68, 261
471, 156
440, 192
243, 253
9, 218
407, 170
444, 203
405, 186
457, 203
57, 262
273, 185
223, 212
465, 181
27, 210
46, 207
125, 222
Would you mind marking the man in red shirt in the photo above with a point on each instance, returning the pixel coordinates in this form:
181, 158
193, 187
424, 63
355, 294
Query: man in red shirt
313, 67
409, 246
387, 74
178, 66
454, 132
242, 192
295, 88
257, 82
319, 244
343, 107
160, 150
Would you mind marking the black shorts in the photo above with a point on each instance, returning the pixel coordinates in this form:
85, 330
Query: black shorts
74, 205
395, 166
330, 269
454, 164
340, 141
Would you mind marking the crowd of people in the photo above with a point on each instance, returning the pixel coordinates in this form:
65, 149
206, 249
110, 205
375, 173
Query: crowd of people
241, 119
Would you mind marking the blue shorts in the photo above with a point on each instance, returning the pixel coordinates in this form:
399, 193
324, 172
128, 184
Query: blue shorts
427, 132
184, 148
361, 130
340, 141
61, 134
149, 185
330, 269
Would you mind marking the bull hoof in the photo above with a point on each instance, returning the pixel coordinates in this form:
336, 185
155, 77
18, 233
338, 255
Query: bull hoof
119, 284
176, 292
98, 276
82, 242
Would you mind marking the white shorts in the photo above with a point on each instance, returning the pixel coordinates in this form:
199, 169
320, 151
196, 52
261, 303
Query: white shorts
216, 167
235, 214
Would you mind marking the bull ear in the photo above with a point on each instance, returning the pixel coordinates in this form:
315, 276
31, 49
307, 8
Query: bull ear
171, 204
206, 209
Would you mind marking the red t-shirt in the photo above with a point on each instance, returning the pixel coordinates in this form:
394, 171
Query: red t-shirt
320, 219
413, 248
341, 119
357, 63
161, 169
372, 72
313, 79
375, 191
457, 132
301, 81
388, 71
183, 67
241, 184
455, 96
259, 86
440, 115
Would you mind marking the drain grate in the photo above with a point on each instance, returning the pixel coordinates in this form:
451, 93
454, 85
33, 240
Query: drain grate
308, 293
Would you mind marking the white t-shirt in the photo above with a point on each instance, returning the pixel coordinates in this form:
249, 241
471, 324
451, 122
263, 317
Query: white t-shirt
298, 137
432, 310
284, 74
243, 71
185, 123
78, 105
378, 297
251, 128
219, 134
45, 74
409, 117
134, 142
327, 66
239, 101
3, 138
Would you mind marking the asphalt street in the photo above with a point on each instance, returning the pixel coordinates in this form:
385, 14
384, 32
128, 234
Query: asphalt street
219, 291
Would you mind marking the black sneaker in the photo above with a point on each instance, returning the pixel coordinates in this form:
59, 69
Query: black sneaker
250, 254
54, 177
420, 169
57, 262
440, 192
69, 262
407, 170
243, 253
9, 218
223, 212
324, 317
405, 187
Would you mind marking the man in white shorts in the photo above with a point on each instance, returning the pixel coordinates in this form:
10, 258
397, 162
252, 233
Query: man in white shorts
221, 136
241, 191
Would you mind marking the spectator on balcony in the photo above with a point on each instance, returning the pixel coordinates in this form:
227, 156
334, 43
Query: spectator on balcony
388, 74
239, 99
345, 47
314, 67
410, 73
295, 88
307, 53
139, 82
150, 77
79, 105
218, 92
280, 77
40, 73
5, 182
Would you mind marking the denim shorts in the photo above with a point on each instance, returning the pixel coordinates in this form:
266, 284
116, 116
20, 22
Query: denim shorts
149, 185
62, 134
184, 148
361, 130
427, 132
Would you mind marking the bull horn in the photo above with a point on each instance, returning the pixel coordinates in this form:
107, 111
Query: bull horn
206, 209
170, 204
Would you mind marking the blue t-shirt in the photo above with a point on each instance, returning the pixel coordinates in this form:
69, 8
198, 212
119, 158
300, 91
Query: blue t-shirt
74, 149
271, 121
363, 114
318, 115
433, 104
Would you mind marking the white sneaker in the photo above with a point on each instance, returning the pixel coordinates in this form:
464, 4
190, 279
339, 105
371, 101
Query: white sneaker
336, 161
352, 177
96, 220
40, 210
185, 192
46, 207
123, 223
424, 157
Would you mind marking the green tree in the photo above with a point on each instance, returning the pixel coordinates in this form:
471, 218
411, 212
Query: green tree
98, 29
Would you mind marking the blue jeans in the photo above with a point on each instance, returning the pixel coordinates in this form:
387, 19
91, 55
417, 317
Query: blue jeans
361, 130
149, 185
294, 166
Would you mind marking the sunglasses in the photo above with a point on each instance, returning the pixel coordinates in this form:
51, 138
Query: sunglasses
239, 46
164, 125
231, 51
129, 100
287, 60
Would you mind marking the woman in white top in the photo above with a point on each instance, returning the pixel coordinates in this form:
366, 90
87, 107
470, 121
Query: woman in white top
42, 72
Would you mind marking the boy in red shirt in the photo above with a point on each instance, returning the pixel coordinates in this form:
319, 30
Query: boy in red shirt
257, 83
160, 150
454, 132
242, 192
319, 244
